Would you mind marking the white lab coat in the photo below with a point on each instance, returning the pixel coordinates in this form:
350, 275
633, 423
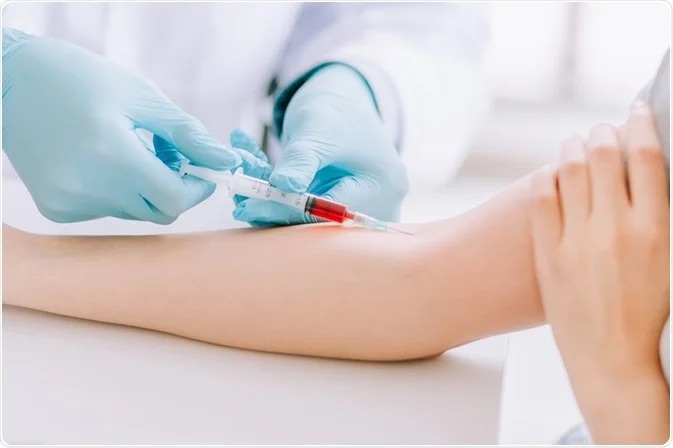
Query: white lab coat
215, 60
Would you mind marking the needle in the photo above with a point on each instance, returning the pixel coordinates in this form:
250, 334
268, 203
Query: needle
399, 230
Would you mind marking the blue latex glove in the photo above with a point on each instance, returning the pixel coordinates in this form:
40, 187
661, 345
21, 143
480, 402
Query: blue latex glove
70, 121
335, 146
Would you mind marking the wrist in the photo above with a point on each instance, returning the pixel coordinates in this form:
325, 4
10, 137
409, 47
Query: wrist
627, 406
618, 361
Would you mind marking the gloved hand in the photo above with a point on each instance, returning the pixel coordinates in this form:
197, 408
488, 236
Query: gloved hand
69, 128
335, 146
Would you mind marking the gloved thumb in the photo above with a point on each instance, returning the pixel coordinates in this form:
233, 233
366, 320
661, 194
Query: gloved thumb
254, 162
297, 168
239, 139
165, 195
161, 116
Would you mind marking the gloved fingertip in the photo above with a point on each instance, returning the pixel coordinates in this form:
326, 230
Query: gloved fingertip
240, 214
254, 166
240, 139
254, 211
214, 156
287, 182
231, 159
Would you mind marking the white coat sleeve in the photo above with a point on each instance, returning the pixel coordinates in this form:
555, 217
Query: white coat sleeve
422, 60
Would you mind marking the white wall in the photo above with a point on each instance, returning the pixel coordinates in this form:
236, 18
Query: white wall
616, 47
555, 69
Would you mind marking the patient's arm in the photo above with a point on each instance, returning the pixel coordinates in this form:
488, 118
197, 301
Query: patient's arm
320, 290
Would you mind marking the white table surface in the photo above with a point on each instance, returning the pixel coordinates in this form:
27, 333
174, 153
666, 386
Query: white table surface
69, 381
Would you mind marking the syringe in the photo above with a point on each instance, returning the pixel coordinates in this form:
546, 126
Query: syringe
240, 184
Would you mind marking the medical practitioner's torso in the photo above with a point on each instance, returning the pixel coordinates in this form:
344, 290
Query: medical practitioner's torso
215, 60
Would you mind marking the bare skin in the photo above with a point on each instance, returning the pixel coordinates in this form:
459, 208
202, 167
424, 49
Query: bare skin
319, 290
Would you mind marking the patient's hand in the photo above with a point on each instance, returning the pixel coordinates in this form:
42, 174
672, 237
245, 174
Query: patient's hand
601, 248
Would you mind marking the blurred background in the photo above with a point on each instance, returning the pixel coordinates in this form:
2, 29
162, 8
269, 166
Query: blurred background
553, 69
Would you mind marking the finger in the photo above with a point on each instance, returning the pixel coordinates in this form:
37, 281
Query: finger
159, 115
545, 214
162, 188
606, 170
646, 164
253, 166
121, 214
573, 181
254, 162
239, 139
167, 153
621, 137
296, 168
364, 196
267, 212
139, 208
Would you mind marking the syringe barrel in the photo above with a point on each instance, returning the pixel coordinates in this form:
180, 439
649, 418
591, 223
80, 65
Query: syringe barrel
252, 187
216, 177
322, 208
315, 206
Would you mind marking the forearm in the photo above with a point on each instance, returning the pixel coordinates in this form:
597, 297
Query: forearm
322, 291
316, 291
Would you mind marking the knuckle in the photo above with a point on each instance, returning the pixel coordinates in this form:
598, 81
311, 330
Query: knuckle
541, 192
651, 235
604, 153
573, 169
543, 199
647, 155
612, 242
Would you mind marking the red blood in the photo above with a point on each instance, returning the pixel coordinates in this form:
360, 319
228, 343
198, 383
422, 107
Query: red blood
326, 209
